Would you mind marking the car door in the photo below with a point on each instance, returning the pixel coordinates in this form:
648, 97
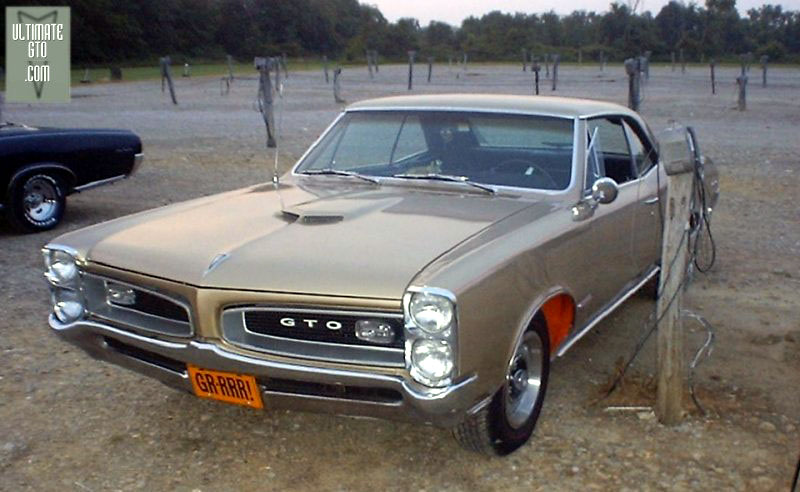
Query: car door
612, 224
647, 222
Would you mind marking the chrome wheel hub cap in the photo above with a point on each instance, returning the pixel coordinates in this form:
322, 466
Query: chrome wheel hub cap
523, 380
40, 199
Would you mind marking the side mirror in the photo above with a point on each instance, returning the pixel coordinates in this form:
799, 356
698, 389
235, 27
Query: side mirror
605, 190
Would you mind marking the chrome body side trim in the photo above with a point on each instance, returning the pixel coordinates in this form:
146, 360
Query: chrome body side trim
444, 407
608, 309
100, 182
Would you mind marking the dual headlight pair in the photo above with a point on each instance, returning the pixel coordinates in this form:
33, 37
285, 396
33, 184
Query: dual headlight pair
430, 322
63, 275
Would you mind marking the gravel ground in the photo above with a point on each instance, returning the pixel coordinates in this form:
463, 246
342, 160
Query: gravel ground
70, 423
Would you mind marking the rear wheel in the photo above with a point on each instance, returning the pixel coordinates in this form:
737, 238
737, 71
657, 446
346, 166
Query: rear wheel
508, 421
36, 202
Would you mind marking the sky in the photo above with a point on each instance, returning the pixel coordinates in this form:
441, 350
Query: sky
454, 11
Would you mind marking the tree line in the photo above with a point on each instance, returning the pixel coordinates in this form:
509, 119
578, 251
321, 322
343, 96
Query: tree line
112, 31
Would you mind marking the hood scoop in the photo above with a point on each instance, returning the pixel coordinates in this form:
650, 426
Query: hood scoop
292, 217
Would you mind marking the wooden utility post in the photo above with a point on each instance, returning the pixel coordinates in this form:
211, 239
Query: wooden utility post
166, 75
229, 59
547, 65
632, 69
712, 64
556, 59
679, 162
411, 55
264, 65
741, 81
336, 88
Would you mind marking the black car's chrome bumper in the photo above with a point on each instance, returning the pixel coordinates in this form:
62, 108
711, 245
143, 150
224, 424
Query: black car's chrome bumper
300, 386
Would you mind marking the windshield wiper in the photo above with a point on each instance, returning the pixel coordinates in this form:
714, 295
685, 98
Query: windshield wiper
448, 177
339, 172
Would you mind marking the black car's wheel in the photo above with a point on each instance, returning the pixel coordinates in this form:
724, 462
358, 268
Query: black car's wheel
36, 202
508, 421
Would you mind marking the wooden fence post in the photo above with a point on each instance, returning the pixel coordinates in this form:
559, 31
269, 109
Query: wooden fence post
602, 61
524, 60
86, 79
369, 64
646, 61
284, 60
430, 68
411, 54
674, 258
556, 59
712, 64
683, 62
764, 62
336, 88
375, 61
580, 55
167, 75
325, 67
535, 69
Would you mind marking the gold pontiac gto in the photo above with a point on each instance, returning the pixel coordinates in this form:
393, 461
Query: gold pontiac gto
424, 260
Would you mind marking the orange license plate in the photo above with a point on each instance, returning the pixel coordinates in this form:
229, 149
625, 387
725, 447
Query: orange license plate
240, 389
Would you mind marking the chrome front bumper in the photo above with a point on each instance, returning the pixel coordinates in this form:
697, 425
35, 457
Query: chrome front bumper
444, 408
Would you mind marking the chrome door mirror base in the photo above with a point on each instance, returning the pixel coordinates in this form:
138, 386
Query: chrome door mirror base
605, 190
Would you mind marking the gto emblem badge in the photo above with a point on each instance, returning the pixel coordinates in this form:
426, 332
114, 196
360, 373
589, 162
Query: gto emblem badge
311, 323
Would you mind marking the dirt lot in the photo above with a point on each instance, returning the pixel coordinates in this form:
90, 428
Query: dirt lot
70, 423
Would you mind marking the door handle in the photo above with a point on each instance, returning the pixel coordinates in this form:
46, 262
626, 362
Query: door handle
651, 201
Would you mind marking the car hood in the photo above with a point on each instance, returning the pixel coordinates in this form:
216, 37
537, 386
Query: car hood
358, 240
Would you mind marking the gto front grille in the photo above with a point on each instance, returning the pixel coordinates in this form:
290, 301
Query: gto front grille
313, 333
314, 326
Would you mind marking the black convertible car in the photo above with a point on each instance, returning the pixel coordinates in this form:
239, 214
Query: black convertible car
39, 167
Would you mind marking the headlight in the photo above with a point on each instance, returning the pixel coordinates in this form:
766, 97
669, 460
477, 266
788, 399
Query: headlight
431, 361
431, 340
67, 305
430, 312
60, 267
63, 276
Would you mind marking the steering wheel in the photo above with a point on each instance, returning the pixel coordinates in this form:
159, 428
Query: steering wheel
528, 168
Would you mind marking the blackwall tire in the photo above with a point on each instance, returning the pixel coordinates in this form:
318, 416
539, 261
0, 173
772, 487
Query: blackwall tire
508, 421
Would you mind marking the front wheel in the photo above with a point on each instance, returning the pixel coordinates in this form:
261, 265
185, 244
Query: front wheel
36, 202
508, 421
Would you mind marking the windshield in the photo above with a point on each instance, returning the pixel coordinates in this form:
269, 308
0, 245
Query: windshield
494, 149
